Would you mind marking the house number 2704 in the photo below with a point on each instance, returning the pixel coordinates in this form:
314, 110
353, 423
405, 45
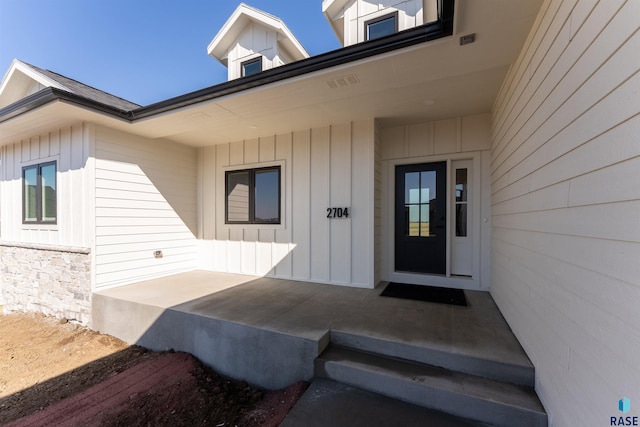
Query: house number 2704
337, 212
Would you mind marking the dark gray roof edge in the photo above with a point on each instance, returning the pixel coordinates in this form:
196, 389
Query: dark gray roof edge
86, 90
51, 94
443, 27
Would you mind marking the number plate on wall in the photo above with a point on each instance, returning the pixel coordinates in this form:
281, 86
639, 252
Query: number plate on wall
337, 213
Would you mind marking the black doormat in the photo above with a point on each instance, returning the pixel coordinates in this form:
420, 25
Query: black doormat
425, 293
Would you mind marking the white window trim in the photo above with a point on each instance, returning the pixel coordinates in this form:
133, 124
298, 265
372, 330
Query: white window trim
41, 227
362, 20
250, 58
388, 266
283, 203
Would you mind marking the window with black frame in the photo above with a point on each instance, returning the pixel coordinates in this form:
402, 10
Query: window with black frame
252, 66
253, 196
382, 26
39, 199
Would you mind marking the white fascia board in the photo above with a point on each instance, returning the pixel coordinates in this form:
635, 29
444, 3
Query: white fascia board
238, 21
333, 10
25, 69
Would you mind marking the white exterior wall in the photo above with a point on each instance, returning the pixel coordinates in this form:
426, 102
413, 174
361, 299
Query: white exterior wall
146, 201
70, 147
256, 40
462, 138
358, 12
320, 168
566, 207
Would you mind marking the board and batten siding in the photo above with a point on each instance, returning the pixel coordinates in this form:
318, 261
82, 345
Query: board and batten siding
358, 12
146, 201
320, 168
565, 185
459, 138
255, 41
70, 148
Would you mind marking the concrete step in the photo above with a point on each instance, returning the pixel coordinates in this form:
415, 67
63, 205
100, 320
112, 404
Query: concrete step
522, 373
456, 393
329, 403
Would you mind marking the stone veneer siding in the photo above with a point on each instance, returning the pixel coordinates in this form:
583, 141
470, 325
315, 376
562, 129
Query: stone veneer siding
52, 280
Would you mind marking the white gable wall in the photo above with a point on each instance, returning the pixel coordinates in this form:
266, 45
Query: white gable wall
320, 168
145, 202
566, 207
358, 12
255, 40
70, 148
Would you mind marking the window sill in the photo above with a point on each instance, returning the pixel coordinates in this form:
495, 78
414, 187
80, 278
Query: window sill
254, 226
39, 227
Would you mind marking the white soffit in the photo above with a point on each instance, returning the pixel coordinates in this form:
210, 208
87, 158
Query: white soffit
235, 25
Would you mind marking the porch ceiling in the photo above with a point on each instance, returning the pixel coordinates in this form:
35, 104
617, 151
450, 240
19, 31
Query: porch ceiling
426, 82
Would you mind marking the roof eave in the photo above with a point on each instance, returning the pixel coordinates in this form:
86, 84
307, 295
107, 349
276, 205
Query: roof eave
51, 94
421, 34
428, 32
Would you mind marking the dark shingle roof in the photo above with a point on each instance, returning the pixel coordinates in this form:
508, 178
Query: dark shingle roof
86, 91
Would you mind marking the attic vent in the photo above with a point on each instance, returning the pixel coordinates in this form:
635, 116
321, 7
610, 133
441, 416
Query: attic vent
343, 81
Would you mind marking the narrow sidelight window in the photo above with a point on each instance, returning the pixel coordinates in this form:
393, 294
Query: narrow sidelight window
461, 202
382, 26
39, 200
253, 196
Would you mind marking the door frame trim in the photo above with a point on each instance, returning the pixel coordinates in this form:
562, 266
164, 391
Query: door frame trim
388, 221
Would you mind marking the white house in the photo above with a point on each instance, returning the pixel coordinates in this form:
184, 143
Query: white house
483, 145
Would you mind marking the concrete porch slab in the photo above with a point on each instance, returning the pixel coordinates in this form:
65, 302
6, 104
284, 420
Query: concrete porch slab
268, 331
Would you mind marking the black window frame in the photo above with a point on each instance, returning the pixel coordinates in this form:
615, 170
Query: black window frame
243, 64
39, 208
252, 195
393, 15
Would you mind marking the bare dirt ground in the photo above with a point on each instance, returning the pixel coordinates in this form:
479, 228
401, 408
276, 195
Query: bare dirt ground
56, 373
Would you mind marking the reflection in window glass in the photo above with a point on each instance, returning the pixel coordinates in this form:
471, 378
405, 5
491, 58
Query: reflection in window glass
461, 185
461, 202
267, 198
420, 189
461, 220
253, 66
48, 176
30, 179
381, 27
238, 197
253, 196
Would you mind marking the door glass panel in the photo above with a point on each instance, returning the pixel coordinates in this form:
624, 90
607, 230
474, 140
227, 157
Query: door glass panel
238, 197
420, 190
425, 215
412, 187
414, 221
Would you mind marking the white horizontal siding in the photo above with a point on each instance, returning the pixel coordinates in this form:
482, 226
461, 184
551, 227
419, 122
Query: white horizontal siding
320, 169
145, 202
69, 147
566, 206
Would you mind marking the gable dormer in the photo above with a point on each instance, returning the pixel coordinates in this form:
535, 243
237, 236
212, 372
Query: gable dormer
252, 41
356, 21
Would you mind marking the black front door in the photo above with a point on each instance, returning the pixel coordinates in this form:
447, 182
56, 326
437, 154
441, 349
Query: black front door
421, 212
